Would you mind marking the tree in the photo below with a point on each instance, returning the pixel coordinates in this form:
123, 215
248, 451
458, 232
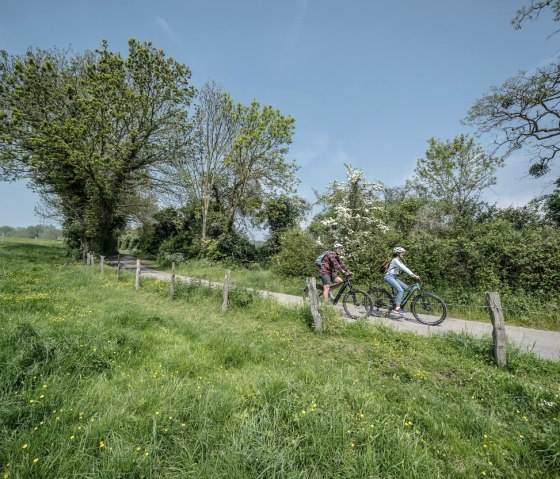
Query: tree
524, 112
456, 172
352, 215
352, 209
533, 11
86, 130
255, 166
281, 213
195, 176
235, 162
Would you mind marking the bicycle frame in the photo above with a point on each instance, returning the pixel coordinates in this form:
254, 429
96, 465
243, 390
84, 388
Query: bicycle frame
341, 289
408, 293
345, 284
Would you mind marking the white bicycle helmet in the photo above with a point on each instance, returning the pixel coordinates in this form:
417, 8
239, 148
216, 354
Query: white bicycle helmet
398, 250
337, 245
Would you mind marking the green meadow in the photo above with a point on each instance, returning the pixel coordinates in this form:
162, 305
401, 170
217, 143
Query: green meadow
99, 380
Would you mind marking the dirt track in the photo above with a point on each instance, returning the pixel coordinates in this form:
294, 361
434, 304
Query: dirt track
544, 344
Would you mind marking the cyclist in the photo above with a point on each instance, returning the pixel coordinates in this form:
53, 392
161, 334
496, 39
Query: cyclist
395, 265
327, 271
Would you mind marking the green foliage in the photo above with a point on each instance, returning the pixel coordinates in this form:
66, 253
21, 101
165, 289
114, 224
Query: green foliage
456, 172
280, 214
235, 166
170, 231
86, 129
231, 247
255, 165
552, 205
297, 254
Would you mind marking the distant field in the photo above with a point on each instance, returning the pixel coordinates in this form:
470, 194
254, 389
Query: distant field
100, 380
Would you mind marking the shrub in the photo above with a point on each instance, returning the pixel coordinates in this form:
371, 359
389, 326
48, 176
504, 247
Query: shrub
298, 251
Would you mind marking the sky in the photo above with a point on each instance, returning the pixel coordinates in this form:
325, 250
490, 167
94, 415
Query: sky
367, 81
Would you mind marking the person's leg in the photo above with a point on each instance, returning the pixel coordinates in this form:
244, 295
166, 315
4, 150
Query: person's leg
326, 279
398, 299
399, 288
336, 282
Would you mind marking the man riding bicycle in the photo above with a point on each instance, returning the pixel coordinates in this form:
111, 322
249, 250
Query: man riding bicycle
327, 271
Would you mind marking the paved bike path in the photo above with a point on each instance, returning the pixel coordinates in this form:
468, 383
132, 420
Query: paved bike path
544, 344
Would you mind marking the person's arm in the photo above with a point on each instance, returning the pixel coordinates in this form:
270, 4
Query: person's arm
404, 268
339, 265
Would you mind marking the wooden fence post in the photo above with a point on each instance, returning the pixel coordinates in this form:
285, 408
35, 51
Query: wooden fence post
226, 291
314, 302
118, 266
137, 285
172, 282
92, 256
102, 263
88, 260
499, 327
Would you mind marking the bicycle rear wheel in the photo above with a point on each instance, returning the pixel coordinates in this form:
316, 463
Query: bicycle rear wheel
382, 301
429, 309
357, 304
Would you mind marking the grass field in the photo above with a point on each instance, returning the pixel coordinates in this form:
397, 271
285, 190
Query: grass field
98, 380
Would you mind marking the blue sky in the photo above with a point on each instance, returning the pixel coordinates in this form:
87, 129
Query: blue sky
368, 82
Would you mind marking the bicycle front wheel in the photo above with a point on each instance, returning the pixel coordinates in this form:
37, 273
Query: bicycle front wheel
357, 304
429, 309
382, 302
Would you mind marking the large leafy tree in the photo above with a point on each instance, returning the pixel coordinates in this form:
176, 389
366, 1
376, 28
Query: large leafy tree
235, 162
256, 167
524, 112
87, 129
195, 176
455, 173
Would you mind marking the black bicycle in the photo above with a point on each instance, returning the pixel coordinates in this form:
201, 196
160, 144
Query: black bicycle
427, 308
356, 302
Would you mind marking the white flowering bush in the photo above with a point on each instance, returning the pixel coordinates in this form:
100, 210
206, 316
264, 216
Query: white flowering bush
353, 213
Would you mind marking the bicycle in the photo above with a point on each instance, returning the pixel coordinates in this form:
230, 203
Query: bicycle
356, 302
427, 308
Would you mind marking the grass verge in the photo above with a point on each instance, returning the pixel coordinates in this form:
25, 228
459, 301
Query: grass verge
100, 380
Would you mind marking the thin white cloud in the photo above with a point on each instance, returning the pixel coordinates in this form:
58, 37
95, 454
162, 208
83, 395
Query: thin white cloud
298, 22
161, 23
319, 147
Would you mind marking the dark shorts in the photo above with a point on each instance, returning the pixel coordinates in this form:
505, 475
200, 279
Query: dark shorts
327, 279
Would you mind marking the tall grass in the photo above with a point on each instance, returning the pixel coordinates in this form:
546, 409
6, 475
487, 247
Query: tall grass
99, 380
254, 277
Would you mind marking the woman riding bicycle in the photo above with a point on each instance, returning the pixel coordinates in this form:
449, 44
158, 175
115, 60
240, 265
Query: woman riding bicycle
395, 265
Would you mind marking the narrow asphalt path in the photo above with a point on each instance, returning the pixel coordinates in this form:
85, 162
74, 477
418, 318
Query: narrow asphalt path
544, 344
